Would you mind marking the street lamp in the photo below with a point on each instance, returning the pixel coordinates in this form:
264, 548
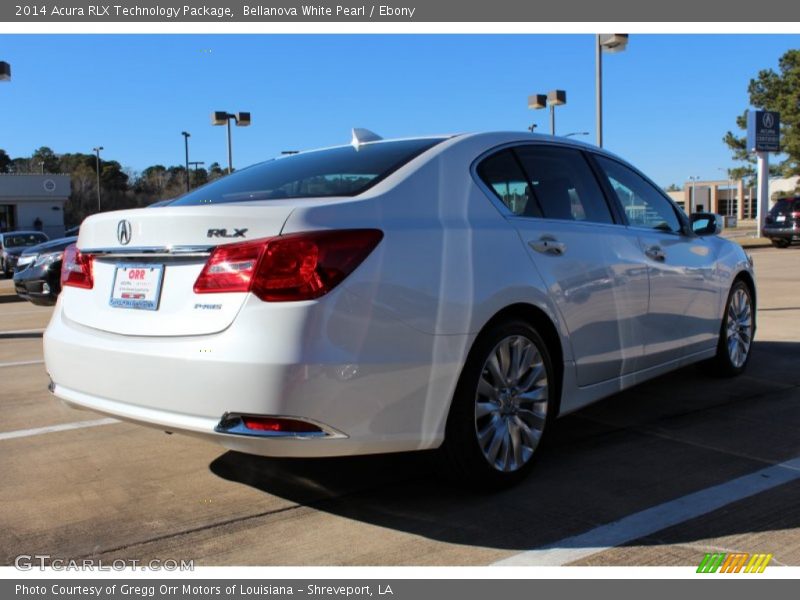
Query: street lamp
552, 99
694, 179
730, 190
97, 157
186, 135
532, 127
611, 43
576, 133
220, 117
5, 71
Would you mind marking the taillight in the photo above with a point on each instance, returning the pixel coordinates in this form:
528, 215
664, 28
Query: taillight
76, 268
298, 266
796, 215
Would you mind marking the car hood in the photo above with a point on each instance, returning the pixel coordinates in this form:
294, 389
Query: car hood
51, 246
14, 251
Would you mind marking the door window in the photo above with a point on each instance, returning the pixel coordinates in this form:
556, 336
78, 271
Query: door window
503, 174
564, 184
643, 204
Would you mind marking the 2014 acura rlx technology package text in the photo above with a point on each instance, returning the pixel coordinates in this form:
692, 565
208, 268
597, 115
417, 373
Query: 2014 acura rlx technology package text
452, 292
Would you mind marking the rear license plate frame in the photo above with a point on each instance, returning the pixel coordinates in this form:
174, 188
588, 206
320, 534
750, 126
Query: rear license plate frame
149, 301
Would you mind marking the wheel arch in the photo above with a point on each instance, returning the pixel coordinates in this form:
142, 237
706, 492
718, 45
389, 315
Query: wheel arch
539, 319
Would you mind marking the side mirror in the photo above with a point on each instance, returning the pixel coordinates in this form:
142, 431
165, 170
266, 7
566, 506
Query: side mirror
706, 223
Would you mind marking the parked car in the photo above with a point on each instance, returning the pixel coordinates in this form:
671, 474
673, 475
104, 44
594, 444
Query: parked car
38, 274
451, 292
782, 225
12, 244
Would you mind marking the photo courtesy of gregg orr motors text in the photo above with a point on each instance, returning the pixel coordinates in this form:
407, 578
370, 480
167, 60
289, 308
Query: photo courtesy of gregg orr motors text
359, 11
240, 589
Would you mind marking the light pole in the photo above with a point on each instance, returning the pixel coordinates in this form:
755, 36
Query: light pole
611, 43
186, 135
694, 179
576, 133
220, 117
730, 190
552, 99
5, 71
97, 158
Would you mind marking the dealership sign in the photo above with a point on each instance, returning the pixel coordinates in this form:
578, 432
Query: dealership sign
763, 131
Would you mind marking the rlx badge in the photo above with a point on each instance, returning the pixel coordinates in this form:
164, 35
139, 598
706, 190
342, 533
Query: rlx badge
223, 233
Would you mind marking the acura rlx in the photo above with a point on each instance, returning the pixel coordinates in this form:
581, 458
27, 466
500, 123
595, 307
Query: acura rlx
454, 292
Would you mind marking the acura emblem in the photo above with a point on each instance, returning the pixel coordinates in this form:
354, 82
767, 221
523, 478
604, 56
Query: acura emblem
124, 232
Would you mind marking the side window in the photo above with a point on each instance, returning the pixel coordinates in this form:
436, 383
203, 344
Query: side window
564, 184
502, 173
643, 204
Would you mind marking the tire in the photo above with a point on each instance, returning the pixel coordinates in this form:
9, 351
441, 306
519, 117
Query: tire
735, 344
499, 413
780, 243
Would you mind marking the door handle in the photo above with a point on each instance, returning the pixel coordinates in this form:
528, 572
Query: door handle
656, 253
548, 245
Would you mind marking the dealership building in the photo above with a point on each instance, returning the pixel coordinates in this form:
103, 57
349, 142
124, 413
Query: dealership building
729, 197
33, 202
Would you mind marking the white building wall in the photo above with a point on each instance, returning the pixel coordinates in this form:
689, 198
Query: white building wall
51, 214
36, 196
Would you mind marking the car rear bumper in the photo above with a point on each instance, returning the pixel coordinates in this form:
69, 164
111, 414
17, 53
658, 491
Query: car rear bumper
375, 385
783, 233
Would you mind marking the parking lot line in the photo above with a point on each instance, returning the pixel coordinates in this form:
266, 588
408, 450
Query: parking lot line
657, 518
20, 433
22, 363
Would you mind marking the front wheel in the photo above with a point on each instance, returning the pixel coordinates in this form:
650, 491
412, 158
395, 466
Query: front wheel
736, 333
502, 404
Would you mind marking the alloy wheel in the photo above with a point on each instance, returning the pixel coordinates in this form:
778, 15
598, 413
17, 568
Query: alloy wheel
739, 327
511, 403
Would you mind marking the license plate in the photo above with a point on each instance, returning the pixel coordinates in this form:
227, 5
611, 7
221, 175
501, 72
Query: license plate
780, 218
137, 286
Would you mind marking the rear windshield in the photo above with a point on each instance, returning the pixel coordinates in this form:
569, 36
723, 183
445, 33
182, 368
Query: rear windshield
28, 239
785, 206
343, 171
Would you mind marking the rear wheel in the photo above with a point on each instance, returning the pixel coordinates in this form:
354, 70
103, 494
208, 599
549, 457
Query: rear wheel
780, 243
501, 407
736, 333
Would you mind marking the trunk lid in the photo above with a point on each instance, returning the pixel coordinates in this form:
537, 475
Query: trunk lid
170, 245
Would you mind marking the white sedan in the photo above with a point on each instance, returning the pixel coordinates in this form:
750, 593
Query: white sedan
452, 292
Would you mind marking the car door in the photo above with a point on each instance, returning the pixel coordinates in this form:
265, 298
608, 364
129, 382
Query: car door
683, 314
590, 264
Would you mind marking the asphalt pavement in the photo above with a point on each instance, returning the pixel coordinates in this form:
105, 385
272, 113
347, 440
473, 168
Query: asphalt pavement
657, 475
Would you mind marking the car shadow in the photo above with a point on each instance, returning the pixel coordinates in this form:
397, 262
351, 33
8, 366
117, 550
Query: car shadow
662, 440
